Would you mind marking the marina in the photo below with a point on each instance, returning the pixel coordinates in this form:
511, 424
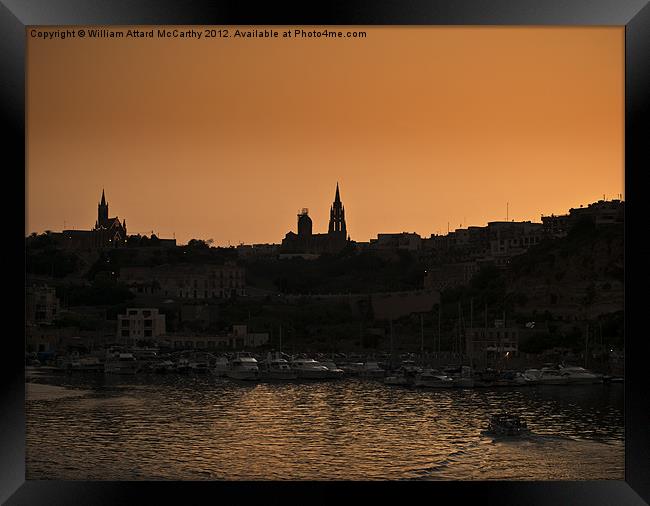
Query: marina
278, 366
112, 426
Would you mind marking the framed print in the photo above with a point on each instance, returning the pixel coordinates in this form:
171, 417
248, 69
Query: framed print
338, 250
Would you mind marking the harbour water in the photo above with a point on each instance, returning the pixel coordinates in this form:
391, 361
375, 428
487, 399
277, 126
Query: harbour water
174, 427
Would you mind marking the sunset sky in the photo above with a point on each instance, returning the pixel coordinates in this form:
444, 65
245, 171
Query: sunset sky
227, 139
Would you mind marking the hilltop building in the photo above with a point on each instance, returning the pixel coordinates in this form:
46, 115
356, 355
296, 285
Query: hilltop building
406, 241
603, 212
107, 232
305, 241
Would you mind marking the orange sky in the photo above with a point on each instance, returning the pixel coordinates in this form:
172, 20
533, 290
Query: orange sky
227, 139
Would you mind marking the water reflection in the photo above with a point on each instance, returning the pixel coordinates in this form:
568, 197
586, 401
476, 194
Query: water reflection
201, 427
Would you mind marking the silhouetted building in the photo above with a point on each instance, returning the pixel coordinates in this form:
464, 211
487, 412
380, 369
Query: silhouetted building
403, 241
337, 217
107, 233
258, 250
556, 226
305, 241
603, 212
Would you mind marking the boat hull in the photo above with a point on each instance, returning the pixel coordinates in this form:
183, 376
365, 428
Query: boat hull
464, 383
279, 376
551, 381
589, 380
121, 369
312, 375
396, 381
244, 375
426, 383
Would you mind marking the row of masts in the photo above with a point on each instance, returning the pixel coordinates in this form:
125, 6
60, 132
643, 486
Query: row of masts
460, 334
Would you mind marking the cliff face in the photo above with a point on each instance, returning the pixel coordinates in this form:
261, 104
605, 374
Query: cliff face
579, 276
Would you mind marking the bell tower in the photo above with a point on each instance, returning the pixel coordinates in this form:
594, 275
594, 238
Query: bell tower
102, 212
337, 216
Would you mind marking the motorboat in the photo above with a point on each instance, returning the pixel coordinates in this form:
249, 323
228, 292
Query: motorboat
200, 364
545, 376
462, 377
398, 378
276, 368
404, 375
372, 370
432, 378
511, 379
120, 362
183, 365
85, 364
463, 382
162, 367
221, 366
243, 367
145, 354
506, 424
410, 368
353, 368
575, 375
308, 368
335, 372
486, 378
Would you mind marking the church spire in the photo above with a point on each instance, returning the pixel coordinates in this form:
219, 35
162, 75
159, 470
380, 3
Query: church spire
102, 212
337, 215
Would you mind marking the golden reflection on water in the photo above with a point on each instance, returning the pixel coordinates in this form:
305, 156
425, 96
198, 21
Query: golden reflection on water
206, 428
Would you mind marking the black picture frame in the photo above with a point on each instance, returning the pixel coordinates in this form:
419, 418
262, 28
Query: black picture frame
634, 15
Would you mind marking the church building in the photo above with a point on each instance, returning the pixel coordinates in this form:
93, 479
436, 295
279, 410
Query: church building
107, 233
305, 241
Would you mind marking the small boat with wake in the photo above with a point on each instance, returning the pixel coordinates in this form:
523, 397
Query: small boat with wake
506, 424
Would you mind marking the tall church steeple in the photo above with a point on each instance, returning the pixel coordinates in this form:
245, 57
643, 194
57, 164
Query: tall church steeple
102, 211
337, 215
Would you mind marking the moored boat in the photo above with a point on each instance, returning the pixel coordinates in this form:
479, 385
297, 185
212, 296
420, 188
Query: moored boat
120, 362
511, 379
371, 370
398, 378
162, 367
545, 376
221, 366
243, 367
432, 378
334, 371
352, 368
276, 368
308, 368
88, 363
575, 375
